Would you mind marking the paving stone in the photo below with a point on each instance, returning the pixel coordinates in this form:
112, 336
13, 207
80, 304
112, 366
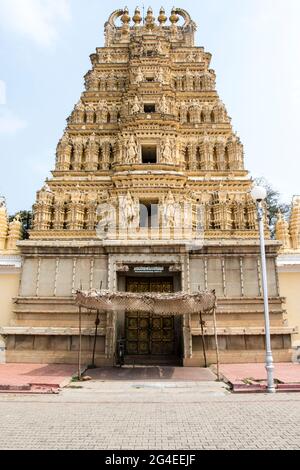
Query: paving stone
111, 415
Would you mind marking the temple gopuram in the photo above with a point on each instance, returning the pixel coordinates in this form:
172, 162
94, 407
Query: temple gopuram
149, 194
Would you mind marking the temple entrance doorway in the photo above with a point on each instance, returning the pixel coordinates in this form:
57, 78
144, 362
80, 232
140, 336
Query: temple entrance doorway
152, 339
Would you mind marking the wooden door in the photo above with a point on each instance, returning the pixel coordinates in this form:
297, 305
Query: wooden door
148, 334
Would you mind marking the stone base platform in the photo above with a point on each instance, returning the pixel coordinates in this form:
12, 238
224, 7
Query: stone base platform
152, 373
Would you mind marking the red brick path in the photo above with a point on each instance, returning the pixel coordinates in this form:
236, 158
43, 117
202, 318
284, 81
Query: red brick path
42, 378
255, 375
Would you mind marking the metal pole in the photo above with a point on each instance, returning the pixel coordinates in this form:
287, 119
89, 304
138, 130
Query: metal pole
97, 322
203, 342
80, 347
269, 356
217, 343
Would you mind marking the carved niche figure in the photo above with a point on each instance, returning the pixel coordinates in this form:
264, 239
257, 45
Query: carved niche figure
90, 114
189, 80
78, 113
169, 211
112, 82
164, 108
139, 76
136, 107
102, 110
183, 112
132, 212
128, 211
106, 215
131, 153
166, 154
159, 76
92, 81
195, 111
92, 153
107, 58
159, 48
63, 153
191, 57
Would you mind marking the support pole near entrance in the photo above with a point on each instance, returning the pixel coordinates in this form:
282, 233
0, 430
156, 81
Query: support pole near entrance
203, 342
217, 343
80, 346
97, 323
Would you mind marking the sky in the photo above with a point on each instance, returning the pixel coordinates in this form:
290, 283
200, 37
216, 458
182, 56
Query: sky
44, 54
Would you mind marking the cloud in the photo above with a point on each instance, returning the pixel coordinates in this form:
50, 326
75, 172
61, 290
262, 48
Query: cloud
9, 123
36, 19
2, 92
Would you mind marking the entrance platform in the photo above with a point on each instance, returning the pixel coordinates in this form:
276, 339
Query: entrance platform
142, 373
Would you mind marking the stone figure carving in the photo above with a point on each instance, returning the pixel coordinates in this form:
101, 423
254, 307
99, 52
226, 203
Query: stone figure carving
164, 108
166, 154
106, 220
159, 76
102, 110
91, 81
78, 113
195, 111
139, 76
136, 107
131, 212
128, 211
131, 151
111, 82
169, 211
191, 57
108, 58
189, 79
159, 48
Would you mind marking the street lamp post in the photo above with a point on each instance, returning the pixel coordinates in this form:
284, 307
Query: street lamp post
259, 194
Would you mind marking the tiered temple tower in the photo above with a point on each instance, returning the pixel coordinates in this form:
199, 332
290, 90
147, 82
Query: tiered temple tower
288, 232
10, 232
149, 192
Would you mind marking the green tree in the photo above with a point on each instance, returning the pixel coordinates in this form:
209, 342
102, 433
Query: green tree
274, 203
26, 219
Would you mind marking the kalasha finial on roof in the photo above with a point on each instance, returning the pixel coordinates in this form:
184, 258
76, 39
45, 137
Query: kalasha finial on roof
137, 19
162, 16
125, 18
150, 20
174, 18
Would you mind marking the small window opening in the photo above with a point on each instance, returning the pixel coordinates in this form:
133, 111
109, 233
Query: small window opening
149, 108
149, 214
149, 154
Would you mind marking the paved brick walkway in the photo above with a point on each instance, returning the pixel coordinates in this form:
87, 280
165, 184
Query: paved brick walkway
150, 415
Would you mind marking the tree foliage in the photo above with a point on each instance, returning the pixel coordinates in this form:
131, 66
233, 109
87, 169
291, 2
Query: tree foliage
274, 203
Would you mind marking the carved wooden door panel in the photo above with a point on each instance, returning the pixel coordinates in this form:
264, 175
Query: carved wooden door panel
148, 334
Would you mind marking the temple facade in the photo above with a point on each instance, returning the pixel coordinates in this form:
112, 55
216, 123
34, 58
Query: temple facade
149, 194
288, 264
10, 268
